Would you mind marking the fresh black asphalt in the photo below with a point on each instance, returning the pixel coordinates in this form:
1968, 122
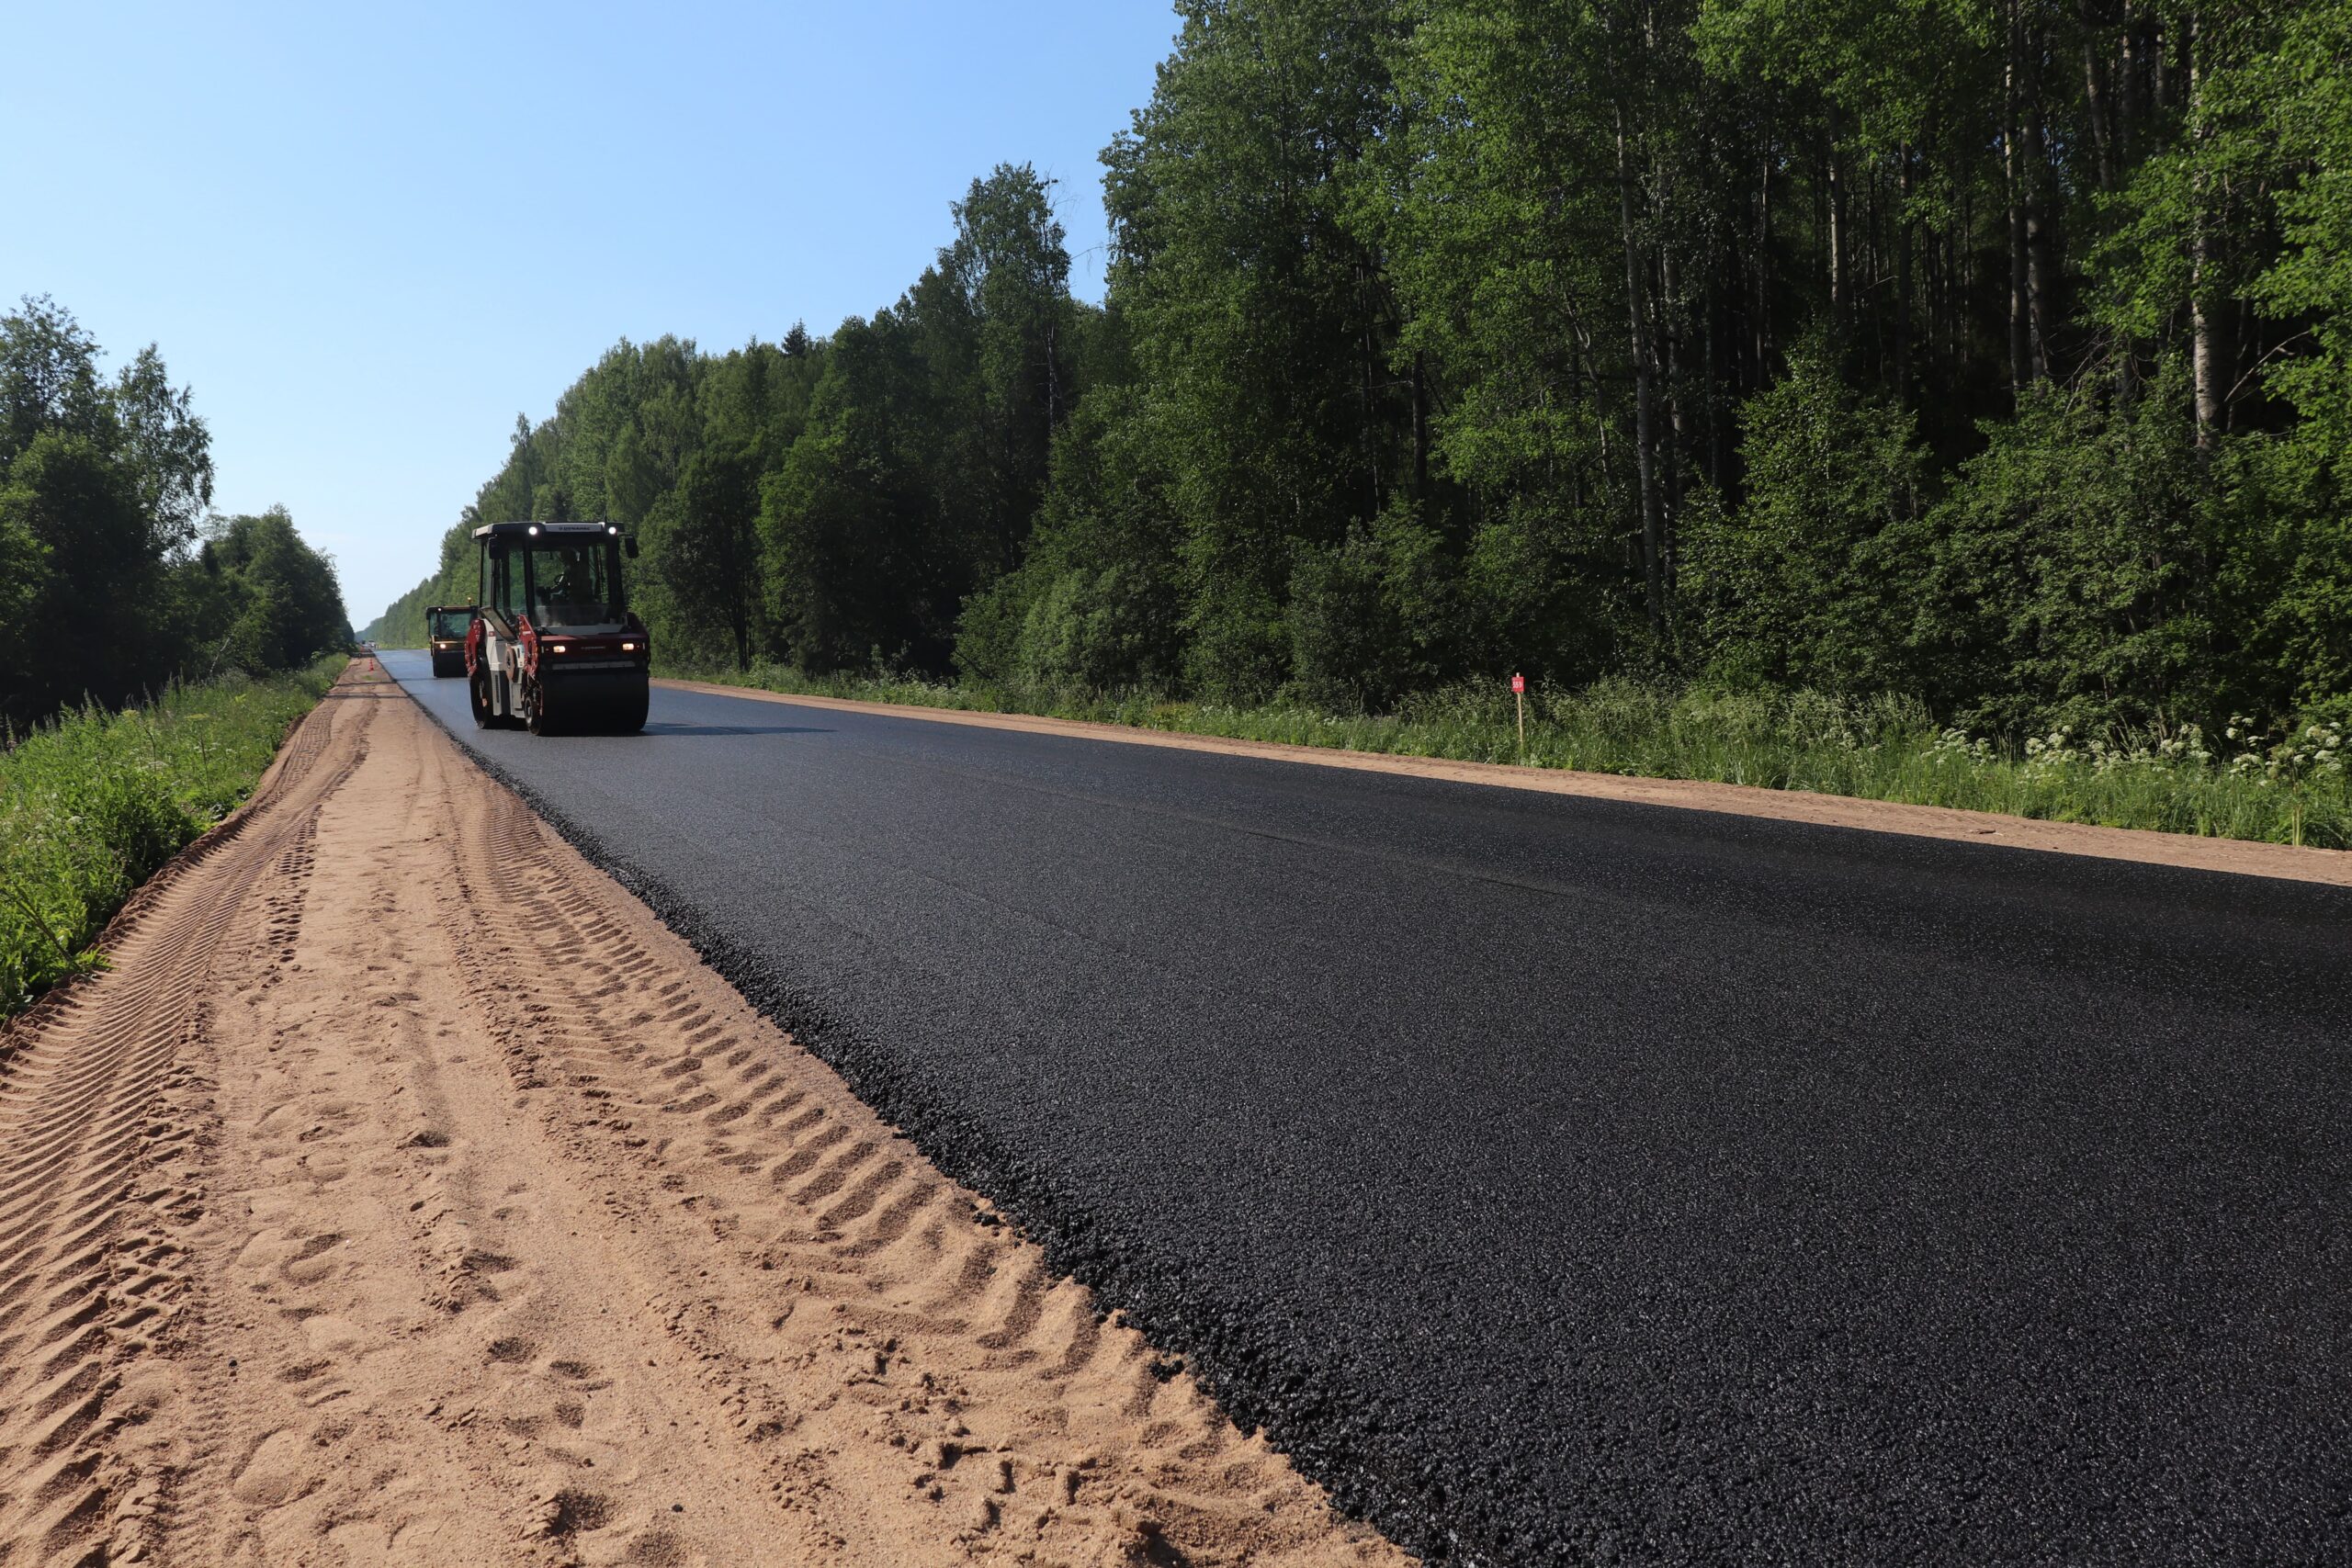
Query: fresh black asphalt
1563, 1180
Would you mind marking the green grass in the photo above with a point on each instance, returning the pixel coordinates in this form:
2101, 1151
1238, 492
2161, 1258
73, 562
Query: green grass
94, 802
2256, 786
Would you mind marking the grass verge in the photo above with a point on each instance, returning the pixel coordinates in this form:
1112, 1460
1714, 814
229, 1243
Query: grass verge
93, 803
2268, 786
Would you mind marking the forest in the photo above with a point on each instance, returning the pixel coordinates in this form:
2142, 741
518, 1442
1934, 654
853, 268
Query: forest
1995, 355
117, 580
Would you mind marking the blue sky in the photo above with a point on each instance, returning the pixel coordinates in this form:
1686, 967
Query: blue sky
369, 237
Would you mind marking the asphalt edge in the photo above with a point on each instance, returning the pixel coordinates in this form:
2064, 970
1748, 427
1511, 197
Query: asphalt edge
1256, 1382
1951, 824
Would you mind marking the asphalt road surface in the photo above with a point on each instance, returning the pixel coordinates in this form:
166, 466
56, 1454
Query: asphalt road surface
1568, 1180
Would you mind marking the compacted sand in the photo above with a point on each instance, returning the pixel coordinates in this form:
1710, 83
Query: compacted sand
407, 1194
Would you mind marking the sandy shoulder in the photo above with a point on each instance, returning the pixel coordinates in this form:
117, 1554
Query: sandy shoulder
407, 1194
2289, 861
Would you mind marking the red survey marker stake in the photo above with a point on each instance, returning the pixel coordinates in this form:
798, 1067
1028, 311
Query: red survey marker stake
1519, 697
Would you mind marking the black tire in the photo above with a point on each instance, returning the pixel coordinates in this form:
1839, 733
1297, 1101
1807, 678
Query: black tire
535, 717
628, 714
478, 691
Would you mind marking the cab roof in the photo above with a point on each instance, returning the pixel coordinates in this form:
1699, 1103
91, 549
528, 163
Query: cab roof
543, 530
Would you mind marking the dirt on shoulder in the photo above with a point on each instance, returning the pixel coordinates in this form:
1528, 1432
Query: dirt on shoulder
406, 1193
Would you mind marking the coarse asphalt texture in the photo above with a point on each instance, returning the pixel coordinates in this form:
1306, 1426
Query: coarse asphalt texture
1568, 1180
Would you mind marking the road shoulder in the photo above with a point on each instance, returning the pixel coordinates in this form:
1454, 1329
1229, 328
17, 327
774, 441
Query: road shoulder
2182, 850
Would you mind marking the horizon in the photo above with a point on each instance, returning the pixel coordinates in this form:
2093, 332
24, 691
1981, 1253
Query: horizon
365, 250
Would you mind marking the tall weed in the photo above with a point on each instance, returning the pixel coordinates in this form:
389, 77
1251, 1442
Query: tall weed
93, 803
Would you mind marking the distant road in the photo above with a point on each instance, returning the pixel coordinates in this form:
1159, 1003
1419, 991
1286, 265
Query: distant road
1581, 1181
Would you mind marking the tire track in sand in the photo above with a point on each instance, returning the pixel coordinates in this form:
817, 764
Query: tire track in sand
90, 1189
525, 1239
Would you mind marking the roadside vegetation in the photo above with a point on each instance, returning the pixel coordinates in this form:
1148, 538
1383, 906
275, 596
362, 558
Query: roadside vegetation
116, 578
2244, 783
94, 801
1721, 364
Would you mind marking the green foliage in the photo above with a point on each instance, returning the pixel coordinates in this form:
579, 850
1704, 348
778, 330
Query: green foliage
103, 487
706, 546
2071, 578
274, 600
1497, 201
1811, 581
858, 570
2285, 577
1370, 618
1343, 638
2304, 89
1096, 603
1990, 360
93, 802
1256, 312
1000, 331
89, 626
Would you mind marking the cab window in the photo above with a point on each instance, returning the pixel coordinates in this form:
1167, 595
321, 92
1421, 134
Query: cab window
504, 581
572, 585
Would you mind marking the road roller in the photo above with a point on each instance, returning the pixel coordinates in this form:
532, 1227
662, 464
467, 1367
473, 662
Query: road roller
553, 647
445, 627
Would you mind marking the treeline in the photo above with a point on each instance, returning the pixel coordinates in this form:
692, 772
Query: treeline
114, 577
1995, 353
835, 501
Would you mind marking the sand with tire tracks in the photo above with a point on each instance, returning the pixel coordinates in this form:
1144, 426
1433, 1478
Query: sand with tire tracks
406, 1194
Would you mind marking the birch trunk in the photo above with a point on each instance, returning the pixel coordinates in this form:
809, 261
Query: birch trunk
1644, 392
2204, 362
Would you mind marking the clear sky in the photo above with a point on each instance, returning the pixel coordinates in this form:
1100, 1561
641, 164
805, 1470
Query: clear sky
369, 236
